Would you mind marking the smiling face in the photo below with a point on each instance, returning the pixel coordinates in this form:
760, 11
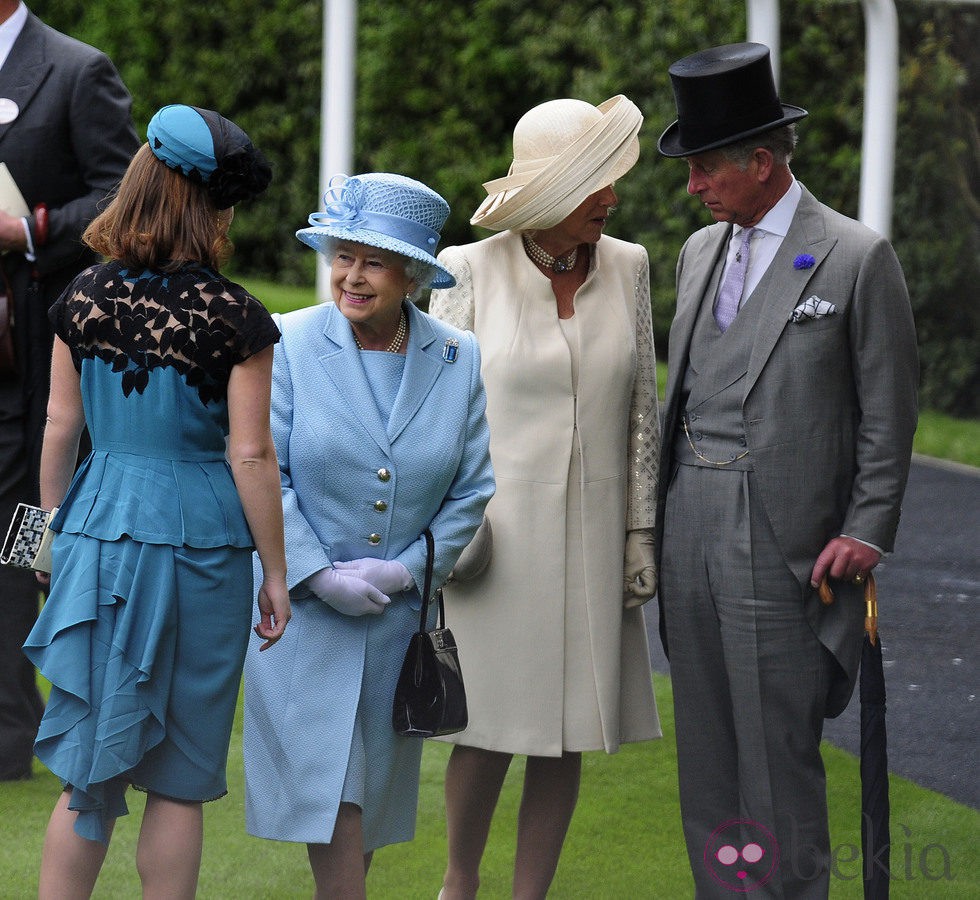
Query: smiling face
368, 285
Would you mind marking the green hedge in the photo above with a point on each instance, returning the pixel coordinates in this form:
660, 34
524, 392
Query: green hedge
441, 84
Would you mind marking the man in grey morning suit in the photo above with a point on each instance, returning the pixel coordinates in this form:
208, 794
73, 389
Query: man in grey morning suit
66, 136
790, 410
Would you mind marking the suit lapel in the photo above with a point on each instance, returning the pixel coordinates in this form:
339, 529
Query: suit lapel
422, 368
24, 71
341, 361
785, 285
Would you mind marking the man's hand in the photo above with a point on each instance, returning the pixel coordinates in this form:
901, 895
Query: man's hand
12, 236
846, 560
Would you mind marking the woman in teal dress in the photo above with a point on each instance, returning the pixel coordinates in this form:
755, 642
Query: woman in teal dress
145, 628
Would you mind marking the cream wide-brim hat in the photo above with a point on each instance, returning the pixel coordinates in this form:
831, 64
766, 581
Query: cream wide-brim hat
564, 150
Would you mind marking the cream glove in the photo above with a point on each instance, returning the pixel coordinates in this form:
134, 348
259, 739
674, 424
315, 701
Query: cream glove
639, 568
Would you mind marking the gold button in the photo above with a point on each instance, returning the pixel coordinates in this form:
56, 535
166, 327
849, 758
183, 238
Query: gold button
375, 539
384, 475
380, 505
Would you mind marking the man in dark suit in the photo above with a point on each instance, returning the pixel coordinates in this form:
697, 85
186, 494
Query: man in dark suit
790, 410
66, 137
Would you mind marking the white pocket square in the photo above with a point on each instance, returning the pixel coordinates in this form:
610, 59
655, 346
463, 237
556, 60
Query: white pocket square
813, 308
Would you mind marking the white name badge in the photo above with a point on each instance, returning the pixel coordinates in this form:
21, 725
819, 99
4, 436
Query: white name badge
8, 110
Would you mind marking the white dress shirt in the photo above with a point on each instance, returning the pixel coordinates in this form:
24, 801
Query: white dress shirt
10, 31
766, 239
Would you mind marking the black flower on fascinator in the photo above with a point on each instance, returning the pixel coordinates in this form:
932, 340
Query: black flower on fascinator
242, 174
206, 147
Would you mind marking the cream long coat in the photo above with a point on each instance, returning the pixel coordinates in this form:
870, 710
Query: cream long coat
509, 623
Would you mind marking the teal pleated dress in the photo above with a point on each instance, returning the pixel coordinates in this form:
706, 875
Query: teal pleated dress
144, 631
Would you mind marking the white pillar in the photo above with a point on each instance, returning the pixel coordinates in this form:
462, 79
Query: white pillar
336, 106
762, 27
880, 113
880, 98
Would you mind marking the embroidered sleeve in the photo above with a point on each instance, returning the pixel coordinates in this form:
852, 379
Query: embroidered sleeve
60, 315
254, 329
455, 305
644, 443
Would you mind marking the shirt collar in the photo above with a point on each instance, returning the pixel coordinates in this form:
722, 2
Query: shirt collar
780, 217
10, 31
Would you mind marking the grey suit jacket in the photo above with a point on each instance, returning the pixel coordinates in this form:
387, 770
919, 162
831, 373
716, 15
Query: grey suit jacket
830, 403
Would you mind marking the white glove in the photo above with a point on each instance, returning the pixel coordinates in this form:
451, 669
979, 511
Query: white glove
639, 568
347, 594
387, 575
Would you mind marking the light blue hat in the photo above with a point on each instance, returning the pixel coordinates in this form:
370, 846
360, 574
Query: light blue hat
382, 210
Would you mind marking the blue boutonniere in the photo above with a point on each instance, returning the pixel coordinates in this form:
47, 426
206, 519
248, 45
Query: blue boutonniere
803, 261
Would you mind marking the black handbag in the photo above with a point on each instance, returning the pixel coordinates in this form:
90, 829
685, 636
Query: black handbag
429, 695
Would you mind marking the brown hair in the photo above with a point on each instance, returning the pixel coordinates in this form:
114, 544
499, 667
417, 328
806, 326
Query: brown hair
160, 219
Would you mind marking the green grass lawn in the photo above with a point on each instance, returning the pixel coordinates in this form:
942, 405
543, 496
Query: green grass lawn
625, 840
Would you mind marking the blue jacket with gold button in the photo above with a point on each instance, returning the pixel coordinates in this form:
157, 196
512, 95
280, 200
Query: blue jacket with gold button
356, 486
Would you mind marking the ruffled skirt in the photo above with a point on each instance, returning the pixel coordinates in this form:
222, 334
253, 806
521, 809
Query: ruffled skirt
143, 645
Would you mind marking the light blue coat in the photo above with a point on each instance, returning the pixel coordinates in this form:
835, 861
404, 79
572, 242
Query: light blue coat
355, 486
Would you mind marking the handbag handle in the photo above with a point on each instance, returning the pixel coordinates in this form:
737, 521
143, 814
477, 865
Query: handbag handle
430, 552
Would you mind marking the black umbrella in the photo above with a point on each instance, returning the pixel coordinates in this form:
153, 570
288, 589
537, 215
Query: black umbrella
875, 834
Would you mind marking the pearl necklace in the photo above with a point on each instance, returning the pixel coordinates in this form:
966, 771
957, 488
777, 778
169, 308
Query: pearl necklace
398, 338
558, 264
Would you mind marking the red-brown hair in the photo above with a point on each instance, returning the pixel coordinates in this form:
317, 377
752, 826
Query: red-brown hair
160, 219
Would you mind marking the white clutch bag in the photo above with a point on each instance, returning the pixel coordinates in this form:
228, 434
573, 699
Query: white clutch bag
28, 541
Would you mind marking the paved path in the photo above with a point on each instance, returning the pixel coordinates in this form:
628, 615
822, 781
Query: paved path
928, 595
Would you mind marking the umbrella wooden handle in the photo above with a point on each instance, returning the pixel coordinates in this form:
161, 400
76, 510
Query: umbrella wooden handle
870, 603
826, 594
871, 608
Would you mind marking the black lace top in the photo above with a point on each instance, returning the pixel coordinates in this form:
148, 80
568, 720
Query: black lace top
194, 320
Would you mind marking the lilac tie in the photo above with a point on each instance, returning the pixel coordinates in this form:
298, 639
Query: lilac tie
730, 295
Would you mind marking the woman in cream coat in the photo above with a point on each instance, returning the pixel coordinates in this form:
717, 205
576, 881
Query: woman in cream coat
551, 635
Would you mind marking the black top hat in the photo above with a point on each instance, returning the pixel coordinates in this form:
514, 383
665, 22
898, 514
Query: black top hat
723, 94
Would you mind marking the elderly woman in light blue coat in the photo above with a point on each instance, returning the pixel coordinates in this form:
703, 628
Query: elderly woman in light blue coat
378, 418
